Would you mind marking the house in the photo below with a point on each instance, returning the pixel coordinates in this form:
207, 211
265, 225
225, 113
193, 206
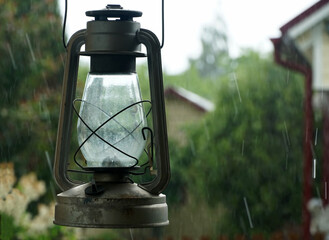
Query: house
184, 108
310, 33
304, 47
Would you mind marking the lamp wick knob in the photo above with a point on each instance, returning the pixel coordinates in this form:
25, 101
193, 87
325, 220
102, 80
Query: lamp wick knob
113, 6
94, 189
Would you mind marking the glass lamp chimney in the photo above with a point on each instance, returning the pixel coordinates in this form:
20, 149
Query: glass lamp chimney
111, 104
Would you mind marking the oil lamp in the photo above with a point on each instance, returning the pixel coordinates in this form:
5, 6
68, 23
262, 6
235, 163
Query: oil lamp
112, 127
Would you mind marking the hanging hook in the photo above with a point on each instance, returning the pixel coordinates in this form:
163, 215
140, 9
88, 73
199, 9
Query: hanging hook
64, 24
162, 12
150, 153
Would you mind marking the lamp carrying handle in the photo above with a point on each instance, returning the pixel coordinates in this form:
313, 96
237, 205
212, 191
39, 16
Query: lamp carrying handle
152, 44
66, 112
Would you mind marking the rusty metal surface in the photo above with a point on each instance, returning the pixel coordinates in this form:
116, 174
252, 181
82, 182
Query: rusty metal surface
122, 205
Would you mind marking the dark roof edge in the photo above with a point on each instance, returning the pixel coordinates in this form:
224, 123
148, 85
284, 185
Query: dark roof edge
303, 15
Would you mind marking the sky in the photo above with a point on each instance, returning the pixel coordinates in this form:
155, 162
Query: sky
248, 23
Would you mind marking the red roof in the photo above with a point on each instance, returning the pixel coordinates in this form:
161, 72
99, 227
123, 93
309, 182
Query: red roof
303, 15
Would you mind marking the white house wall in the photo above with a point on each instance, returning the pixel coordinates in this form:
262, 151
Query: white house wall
314, 44
325, 60
317, 62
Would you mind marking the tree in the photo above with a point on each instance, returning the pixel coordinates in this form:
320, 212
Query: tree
213, 60
31, 70
250, 159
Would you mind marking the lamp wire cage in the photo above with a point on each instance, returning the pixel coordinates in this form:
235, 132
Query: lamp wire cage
135, 168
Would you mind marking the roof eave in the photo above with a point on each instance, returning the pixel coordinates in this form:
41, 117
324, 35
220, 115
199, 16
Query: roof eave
308, 12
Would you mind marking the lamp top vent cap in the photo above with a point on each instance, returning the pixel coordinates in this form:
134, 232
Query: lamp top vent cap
114, 11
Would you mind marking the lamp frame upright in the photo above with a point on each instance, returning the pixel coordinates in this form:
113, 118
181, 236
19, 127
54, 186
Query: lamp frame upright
150, 192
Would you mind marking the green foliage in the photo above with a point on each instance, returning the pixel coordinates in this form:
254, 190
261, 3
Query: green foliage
249, 151
7, 227
31, 41
190, 80
55, 232
252, 149
176, 191
31, 70
106, 235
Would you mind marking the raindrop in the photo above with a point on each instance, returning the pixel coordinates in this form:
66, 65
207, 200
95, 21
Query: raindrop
192, 147
314, 168
248, 213
286, 144
49, 162
237, 86
52, 190
316, 137
242, 148
314, 160
235, 110
131, 234
50, 139
318, 192
287, 157
288, 77
30, 47
206, 130
326, 190
11, 56
287, 135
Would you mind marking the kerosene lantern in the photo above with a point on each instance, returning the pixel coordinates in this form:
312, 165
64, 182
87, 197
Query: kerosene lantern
112, 127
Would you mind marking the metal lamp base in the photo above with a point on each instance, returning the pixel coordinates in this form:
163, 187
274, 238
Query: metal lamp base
120, 205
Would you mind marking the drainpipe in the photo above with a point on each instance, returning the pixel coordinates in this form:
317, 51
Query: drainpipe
325, 170
306, 70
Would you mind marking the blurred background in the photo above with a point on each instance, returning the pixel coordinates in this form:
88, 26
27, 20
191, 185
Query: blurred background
236, 118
